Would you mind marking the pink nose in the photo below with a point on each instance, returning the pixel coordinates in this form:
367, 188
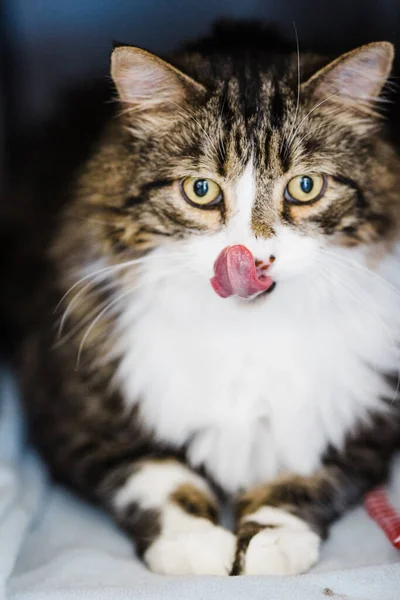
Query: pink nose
236, 272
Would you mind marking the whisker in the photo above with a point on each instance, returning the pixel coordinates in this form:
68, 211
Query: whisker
105, 270
378, 315
296, 143
197, 123
348, 285
74, 301
67, 336
120, 266
96, 320
357, 266
310, 112
298, 90
220, 143
132, 289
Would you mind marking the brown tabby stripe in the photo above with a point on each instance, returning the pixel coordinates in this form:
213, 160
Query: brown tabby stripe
245, 532
145, 525
195, 502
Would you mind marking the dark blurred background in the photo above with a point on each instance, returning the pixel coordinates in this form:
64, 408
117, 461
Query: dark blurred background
53, 44
50, 48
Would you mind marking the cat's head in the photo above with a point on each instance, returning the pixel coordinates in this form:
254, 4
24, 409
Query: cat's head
248, 165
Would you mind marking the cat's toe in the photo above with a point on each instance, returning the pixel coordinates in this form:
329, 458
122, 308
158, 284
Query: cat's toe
281, 551
208, 552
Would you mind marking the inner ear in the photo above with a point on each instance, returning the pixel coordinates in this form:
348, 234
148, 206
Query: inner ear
356, 78
148, 84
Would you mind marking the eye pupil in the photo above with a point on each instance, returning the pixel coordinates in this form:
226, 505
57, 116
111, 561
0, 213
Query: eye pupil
306, 184
200, 187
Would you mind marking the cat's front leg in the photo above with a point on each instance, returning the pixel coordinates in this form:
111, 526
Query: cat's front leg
171, 512
280, 525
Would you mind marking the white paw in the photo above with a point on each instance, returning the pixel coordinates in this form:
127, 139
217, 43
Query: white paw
209, 551
281, 551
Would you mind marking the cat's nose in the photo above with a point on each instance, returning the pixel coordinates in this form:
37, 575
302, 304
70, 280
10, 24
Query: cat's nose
262, 265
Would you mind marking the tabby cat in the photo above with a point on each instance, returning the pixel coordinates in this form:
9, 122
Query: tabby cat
220, 314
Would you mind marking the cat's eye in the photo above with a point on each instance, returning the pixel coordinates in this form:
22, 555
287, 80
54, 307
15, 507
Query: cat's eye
305, 188
201, 192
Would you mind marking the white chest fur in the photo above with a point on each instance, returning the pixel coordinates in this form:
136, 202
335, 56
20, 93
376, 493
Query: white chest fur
257, 387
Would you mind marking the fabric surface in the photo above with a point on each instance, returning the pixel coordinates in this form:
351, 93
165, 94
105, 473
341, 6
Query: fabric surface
54, 546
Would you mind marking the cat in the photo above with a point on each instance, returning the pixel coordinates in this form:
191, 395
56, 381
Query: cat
219, 314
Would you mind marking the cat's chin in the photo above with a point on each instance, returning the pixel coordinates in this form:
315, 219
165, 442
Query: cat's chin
261, 296
256, 297
265, 292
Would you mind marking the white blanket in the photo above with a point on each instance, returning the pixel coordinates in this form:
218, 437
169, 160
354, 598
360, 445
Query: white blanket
54, 547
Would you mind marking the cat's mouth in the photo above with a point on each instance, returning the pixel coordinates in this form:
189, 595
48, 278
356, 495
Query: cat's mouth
237, 273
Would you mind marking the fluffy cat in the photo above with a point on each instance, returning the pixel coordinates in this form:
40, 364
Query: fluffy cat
226, 276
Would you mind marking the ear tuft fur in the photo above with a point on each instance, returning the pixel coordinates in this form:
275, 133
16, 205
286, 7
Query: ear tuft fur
355, 78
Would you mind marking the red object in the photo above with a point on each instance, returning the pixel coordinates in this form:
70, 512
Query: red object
236, 273
379, 508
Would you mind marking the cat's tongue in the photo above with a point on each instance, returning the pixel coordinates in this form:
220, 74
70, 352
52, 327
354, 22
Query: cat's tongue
236, 274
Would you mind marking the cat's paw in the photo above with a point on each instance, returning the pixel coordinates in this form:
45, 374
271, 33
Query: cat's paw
207, 552
288, 547
281, 551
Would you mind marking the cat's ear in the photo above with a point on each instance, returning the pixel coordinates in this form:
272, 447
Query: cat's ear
148, 86
356, 78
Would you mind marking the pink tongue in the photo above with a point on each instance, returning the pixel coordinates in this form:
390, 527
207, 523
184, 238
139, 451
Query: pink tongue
236, 273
